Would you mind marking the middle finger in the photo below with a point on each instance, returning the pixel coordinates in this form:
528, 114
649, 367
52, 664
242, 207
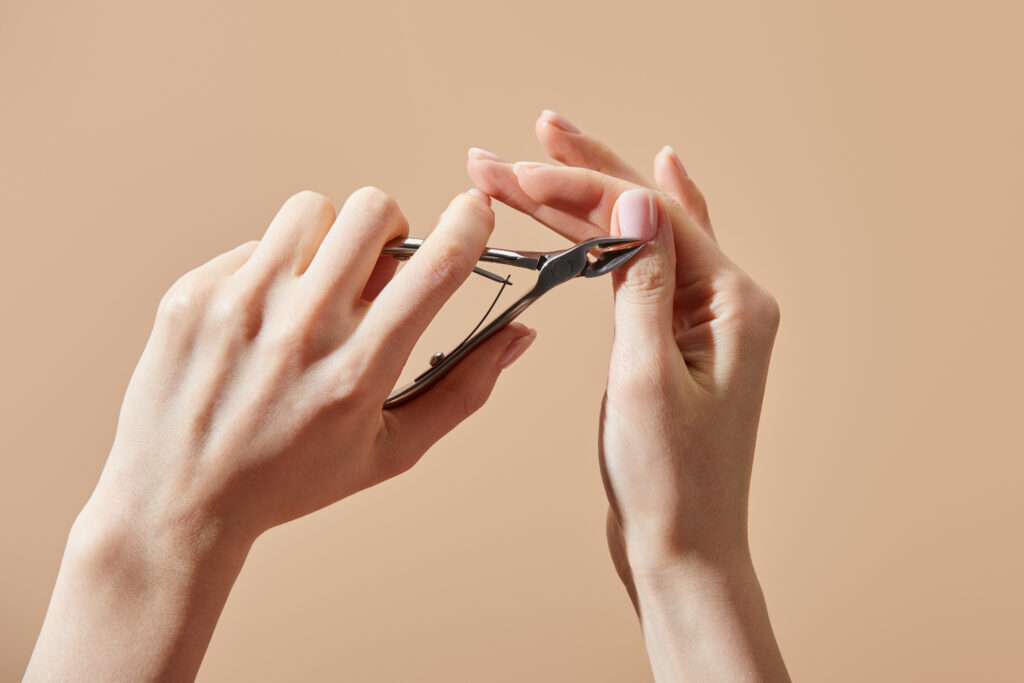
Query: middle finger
407, 304
566, 143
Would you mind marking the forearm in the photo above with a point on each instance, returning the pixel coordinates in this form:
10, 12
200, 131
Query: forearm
705, 621
134, 602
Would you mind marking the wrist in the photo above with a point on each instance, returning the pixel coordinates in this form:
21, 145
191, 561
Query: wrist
120, 541
128, 579
692, 577
707, 617
148, 566
172, 523
668, 548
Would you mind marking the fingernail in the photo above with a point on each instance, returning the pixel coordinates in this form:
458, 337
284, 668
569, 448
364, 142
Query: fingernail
516, 349
638, 215
560, 122
675, 158
477, 153
479, 195
527, 165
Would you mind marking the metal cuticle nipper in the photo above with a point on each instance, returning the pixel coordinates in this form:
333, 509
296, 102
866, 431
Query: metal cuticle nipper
591, 258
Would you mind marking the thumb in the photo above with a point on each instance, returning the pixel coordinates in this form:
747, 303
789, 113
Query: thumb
410, 429
644, 287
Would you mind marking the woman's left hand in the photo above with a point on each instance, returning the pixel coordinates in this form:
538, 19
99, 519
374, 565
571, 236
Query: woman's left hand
258, 399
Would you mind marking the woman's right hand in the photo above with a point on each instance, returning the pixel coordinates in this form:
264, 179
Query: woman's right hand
693, 337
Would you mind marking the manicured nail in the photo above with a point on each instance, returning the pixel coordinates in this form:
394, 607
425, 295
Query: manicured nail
527, 165
638, 215
675, 158
516, 349
477, 153
560, 122
479, 195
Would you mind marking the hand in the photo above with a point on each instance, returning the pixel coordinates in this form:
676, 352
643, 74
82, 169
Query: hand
693, 337
258, 400
262, 384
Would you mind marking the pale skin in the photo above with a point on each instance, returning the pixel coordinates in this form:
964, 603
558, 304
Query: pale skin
258, 399
693, 338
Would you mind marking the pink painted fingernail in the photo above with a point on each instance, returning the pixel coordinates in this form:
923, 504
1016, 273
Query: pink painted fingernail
477, 153
675, 158
514, 350
638, 215
479, 195
560, 122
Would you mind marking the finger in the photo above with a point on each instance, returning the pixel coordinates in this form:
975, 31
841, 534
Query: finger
674, 181
495, 176
566, 143
349, 253
591, 196
407, 304
230, 261
292, 238
191, 292
410, 429
180, 313
644, 287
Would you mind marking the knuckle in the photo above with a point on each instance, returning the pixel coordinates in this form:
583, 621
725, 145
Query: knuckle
233, 310
374, 203
300, 340
771, 311
647, 281
449, 265
350, 388
352, 383
312, 204
245, 252
757, 307
291, 340
309, 198
478, 212
186, 298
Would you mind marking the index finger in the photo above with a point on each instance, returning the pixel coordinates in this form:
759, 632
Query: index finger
566, 143
590, 196
407, 304
494, 176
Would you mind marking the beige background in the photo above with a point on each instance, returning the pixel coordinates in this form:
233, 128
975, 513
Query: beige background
862, 160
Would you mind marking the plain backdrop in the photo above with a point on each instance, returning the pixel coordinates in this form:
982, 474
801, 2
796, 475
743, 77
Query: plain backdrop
862, 161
